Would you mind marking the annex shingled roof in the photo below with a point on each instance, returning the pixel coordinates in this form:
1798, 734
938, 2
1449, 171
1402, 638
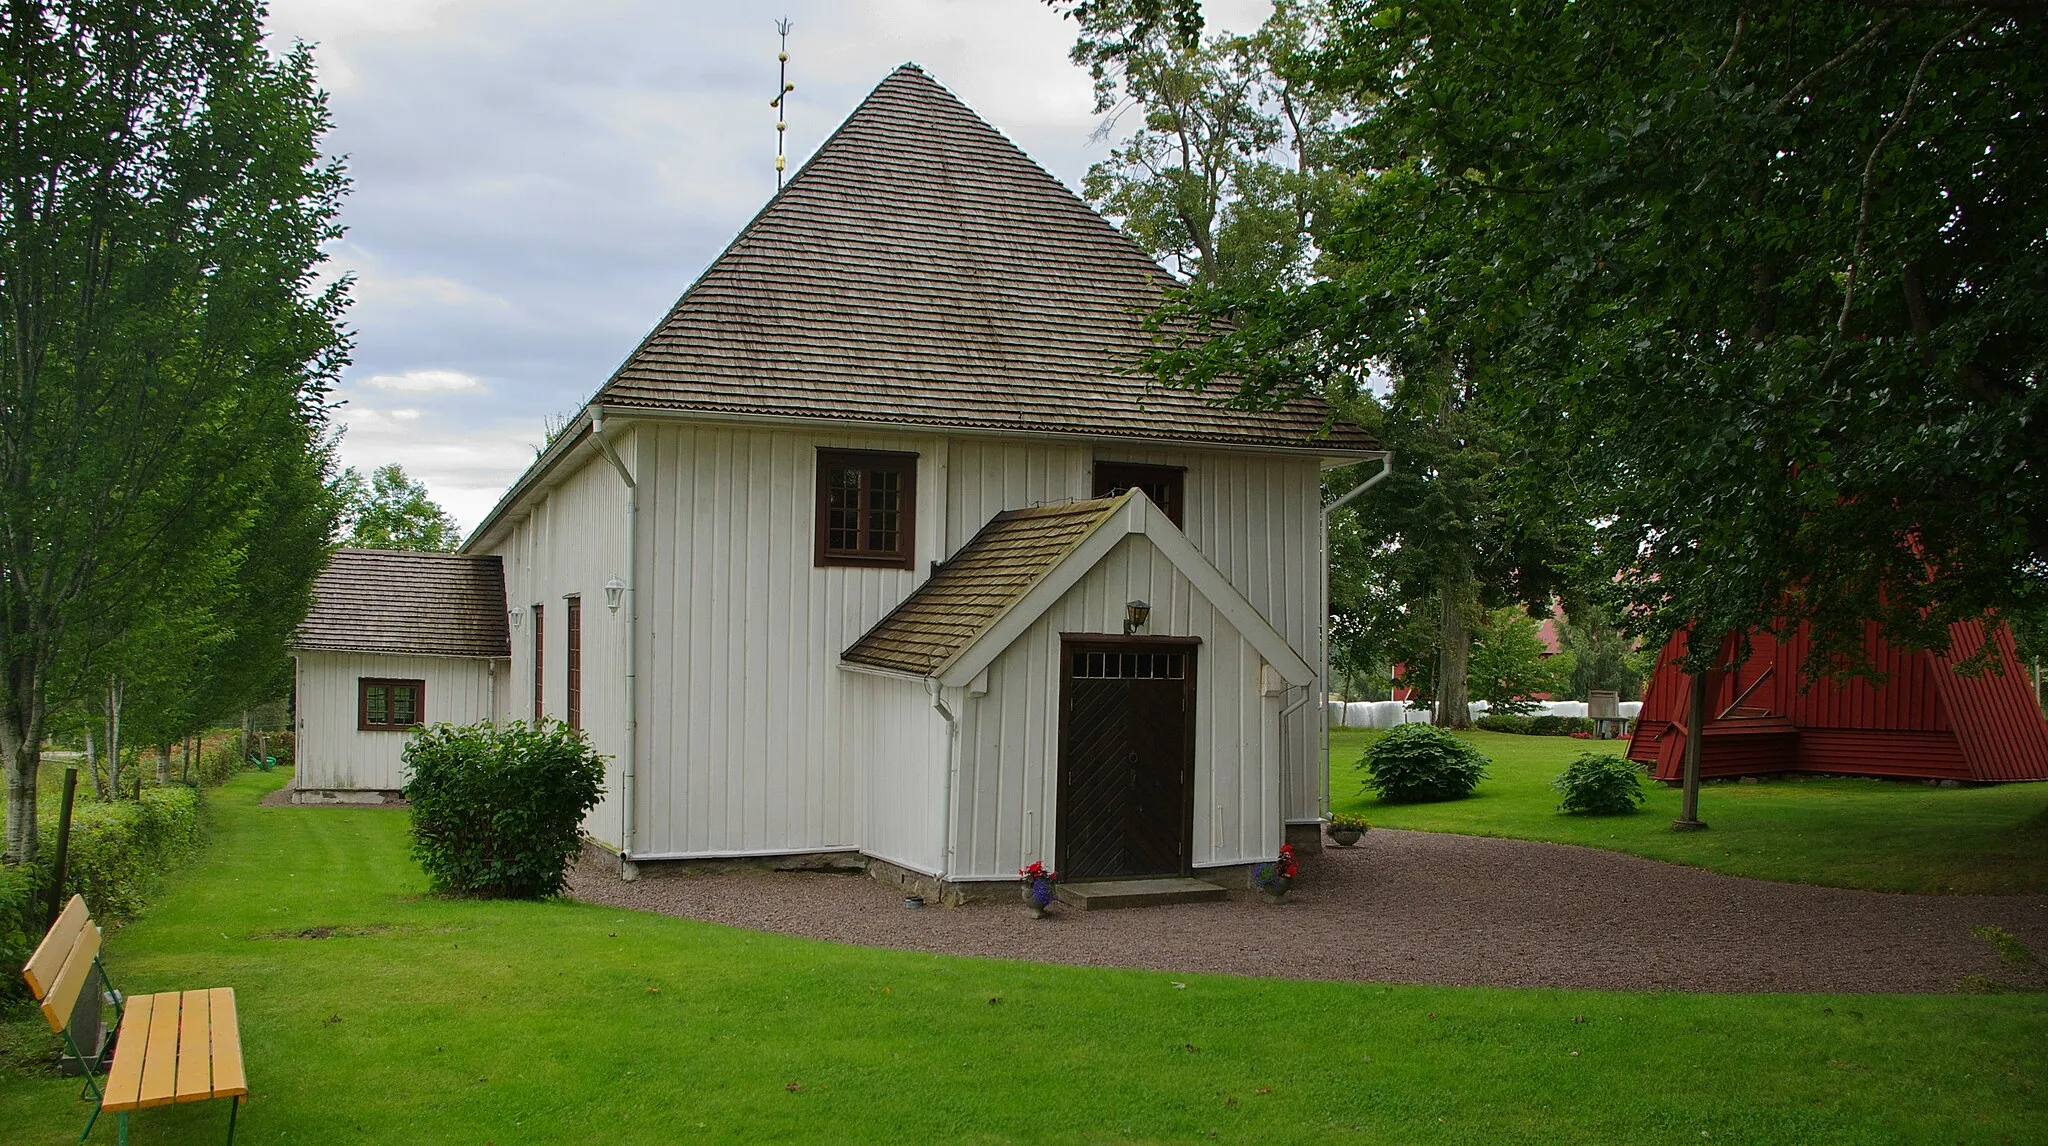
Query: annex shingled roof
922, 270
390, 601
972, 590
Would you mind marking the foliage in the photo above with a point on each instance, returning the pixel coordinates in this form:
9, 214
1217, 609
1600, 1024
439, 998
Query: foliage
1502, 722
1601, 656
121, 849
1349, 822
392, 511
21, 922
509, 989
1547, 725
1508, 664
1768, 280
166, 349
1421, 762
498, 811
1599, 784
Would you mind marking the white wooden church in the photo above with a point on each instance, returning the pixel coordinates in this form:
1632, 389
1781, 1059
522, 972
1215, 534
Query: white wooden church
876, 547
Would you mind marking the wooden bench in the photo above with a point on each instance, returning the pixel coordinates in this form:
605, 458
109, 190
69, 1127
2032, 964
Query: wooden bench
178, 1046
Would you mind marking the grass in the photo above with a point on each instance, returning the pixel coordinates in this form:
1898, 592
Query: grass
1883, 835
420, 1019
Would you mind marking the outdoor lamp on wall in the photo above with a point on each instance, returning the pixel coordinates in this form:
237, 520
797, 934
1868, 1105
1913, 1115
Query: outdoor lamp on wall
614, 589
516, 616
1136, 613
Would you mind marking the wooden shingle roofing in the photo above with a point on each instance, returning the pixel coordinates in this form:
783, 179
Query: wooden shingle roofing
388, 601
922, 270
972, 590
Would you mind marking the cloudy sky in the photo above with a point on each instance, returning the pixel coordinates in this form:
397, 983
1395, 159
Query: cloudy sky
536, 181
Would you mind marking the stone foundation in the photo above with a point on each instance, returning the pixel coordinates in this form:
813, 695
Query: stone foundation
365, 796
1305, 839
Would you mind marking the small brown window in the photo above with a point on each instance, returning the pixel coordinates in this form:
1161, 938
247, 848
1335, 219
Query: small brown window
574, 662
540, 675
1163, 484
867, 508
390, 705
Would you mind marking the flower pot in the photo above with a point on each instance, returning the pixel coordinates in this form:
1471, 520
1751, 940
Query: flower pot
1276, 892
1343, 838
1038, 900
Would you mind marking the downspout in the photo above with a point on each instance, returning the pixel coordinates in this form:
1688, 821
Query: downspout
1386, 461
932, 686
627, 869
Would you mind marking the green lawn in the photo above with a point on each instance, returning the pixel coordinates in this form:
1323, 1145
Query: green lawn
1887, 835
425, 1020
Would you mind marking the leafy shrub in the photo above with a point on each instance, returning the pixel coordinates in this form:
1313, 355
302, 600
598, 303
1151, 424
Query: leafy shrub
1573, 725
219, 760
1546, 725
119, 850
20, 921
1503, 722
1599, 784
1418, 762
498, 811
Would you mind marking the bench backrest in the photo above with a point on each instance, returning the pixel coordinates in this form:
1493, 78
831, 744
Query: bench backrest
58, 970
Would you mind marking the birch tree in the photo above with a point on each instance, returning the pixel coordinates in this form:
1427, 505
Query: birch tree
166, 343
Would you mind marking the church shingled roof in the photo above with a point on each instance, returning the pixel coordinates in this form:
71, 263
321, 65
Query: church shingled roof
922, 270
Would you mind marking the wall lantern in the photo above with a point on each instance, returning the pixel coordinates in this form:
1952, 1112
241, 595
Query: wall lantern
614, 589
516, 615
1136, 613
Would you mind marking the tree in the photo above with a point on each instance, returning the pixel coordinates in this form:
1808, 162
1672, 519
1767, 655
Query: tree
165, 347
1508, 663
391, 511
1773, 275
1229, 177
1601, 655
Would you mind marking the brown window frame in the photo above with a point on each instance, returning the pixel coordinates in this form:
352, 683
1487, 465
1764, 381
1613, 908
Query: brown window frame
419, 703
869, 463
540, 645
1112, 478
572, 662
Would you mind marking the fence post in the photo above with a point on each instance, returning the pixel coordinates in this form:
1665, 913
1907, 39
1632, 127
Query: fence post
63, 840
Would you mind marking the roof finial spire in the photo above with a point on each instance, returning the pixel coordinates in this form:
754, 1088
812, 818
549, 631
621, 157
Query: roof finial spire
780, 103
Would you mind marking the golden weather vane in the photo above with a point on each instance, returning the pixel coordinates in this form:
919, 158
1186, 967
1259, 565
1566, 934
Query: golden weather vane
780, 103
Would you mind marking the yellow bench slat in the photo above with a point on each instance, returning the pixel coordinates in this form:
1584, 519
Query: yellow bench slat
42, 967
124, 1079
195, 1048
160, 1056
63, 993
227, 1046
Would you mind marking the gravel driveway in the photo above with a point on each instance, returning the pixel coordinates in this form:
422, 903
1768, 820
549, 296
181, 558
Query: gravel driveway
1422, 907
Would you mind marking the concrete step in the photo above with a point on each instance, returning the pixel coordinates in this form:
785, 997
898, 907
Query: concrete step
1104, 894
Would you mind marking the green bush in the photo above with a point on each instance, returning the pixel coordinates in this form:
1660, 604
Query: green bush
1503, 722
1599, 784
1546, 725
119, 850
498, 811
20, 924
1571, 724
1418, 762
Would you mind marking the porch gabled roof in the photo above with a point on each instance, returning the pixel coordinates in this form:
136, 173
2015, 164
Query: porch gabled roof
1018, 566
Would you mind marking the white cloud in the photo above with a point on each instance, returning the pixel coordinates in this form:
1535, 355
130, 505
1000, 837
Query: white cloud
427, 382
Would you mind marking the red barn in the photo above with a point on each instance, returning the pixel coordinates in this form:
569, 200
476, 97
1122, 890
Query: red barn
1924, 722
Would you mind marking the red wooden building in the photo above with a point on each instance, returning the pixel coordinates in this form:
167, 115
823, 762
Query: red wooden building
1925, 721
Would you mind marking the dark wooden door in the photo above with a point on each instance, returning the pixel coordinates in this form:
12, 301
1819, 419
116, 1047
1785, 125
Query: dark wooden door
1126, 758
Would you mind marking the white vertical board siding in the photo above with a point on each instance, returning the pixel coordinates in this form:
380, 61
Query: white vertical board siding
741, 635
333, 755
1008, 784
572, 541
1258, 519
899, 749
989, 476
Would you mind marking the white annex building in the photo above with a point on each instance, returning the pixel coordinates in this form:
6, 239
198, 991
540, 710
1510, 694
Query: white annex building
875, 546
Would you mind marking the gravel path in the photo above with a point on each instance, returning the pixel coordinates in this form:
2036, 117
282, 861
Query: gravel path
1422, 907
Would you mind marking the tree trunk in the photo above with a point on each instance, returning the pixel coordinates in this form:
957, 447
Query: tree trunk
1695, 738
114, 736
163, 765
23, 758
1453, 694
